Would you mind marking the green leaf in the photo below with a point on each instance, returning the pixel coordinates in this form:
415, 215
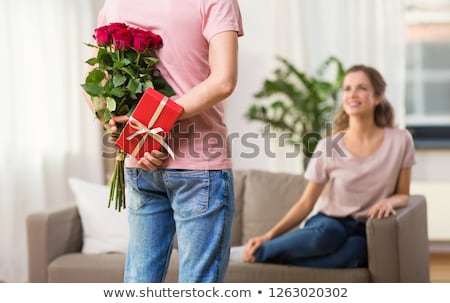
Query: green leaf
167, 91
151, 60
161, 85
104, 115
92, 61
131, 110
130, 72
131, 56
95, 77
125, 61
118, 65
119, 80
107, 60
123, 110
96, 101
93, 89
118, 92
91, 45
148, 84
295, 101
110, 103
134, 86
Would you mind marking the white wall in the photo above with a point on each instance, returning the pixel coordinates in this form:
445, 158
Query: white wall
256, 61
431, 177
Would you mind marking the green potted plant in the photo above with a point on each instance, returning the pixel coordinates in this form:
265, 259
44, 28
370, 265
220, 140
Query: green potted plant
298, 103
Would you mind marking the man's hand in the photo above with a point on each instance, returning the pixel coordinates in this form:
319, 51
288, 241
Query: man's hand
153, 160
111, 126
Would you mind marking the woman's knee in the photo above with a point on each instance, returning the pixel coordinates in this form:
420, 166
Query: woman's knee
329, 233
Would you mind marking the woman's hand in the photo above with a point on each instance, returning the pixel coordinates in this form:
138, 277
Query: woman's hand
153, 160
382, 209
252, 246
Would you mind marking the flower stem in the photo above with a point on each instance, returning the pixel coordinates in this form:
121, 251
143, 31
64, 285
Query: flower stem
117, 186
138, 58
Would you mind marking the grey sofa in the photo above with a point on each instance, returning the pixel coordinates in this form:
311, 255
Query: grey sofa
398, 246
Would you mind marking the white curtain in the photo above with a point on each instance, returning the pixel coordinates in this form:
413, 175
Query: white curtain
355, 31
48, 133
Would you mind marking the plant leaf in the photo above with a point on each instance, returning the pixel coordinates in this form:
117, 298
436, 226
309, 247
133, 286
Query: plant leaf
92, 61
297, 102
118, 92
148, 84
123, 110
95, 77
104, 115
151, 60
110, 104
134, 86
119, 80
93, 89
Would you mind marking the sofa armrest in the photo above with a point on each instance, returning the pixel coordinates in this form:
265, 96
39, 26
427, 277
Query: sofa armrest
398, 245
51, 234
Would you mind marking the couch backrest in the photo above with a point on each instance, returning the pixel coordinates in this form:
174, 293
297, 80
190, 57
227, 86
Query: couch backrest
262, 198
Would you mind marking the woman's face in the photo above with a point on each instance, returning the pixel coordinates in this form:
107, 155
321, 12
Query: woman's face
358, 95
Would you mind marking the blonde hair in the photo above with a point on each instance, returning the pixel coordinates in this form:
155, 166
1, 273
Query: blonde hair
384, 112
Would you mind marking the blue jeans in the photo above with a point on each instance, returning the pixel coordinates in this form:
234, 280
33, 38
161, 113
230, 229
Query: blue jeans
196, 204
323, 242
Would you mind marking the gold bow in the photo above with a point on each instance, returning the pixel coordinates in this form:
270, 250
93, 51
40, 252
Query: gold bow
149, 131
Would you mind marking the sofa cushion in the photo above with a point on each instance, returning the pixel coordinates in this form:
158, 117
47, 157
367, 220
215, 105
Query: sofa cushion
105, 230
239, 187
276, 273
87, 268
268, 196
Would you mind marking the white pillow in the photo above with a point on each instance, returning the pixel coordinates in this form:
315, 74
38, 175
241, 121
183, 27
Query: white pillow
237, 254
105, 230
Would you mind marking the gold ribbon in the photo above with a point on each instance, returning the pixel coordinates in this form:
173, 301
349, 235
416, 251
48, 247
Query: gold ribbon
149, 131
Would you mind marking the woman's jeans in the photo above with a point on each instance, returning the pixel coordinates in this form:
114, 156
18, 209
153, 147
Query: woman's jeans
323, 242
197, 204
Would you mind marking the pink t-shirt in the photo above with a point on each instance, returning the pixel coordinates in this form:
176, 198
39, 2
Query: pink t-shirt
186, 27
354, 184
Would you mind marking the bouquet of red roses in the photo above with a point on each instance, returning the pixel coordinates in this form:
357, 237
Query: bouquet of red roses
124, 67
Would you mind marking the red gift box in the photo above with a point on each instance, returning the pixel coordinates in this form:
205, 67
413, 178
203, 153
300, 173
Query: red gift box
152, 119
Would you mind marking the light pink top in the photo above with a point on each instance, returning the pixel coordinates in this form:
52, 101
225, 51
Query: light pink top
357, 183
186, 27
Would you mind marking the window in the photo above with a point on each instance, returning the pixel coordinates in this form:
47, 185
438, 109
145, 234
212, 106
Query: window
428, 71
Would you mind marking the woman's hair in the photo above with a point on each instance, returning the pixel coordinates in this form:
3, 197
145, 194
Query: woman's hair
384, 113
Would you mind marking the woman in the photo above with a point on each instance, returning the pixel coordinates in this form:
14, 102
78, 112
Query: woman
362, 171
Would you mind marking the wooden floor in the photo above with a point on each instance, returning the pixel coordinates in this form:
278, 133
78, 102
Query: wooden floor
440, 268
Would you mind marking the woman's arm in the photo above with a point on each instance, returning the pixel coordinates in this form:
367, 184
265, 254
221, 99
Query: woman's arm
293, 218
223, 54
386, 207
298, 212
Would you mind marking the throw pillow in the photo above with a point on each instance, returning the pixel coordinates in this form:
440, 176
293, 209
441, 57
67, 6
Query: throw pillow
105, 230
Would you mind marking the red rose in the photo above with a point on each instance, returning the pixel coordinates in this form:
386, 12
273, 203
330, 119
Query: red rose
113, 27
156, 40
122, 38
142, 40
102, 36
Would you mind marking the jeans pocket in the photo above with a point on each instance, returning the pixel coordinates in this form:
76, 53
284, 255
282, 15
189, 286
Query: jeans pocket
191, 191
133, 174
133, 195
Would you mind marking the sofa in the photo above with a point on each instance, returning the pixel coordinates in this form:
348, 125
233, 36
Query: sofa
397, 245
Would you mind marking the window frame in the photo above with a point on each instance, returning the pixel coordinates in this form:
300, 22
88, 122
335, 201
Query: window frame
433, 131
